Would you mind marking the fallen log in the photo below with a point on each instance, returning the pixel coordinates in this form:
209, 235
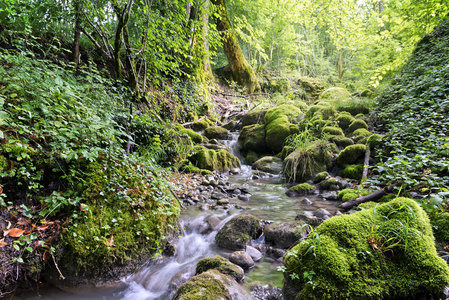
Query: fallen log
371, 197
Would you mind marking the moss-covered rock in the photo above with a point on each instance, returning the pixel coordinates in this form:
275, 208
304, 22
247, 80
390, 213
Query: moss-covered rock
440, 224
294, 129
320, 177
269, 164
254, 117
312, 86
349, 196
290, 111
344, 120
220, 264
304, 164
356, 124
355, 107
214, 160
200, 125
351, 154
194, 136
335, 95
251, 157
361, 132
216, 132
374, 140
352, 172
331, 184
279, 85
368, 255
211, 285
276, 133
252, 137
331, 130
314, 109
286, 234
358, 193
300, 190
341, 141
238, 231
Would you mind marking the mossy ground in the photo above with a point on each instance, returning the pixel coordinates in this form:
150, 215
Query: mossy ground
352, 257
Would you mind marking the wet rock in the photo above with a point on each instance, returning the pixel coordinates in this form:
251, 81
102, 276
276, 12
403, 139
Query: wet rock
242, 259
306, 201
211, 285
285, 235
255, 254
218, 195
266, 292
210, 223
331, 196
238, 231
276, 252
322, 213
269, 164
244, 197
252, 137
308, 218
220, 264
205, 207
331, 184
234, 171
300, 190
223, 201
218, 133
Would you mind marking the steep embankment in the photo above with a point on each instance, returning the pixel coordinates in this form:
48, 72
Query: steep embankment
413, 111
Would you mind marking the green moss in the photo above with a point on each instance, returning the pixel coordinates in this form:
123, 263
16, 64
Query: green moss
344, 120
356, 124
287, 110
304, 164
3, 163
200, 125
350, 154
216, 132
251, 157
361, 116
374, 140
313, 109
440, 225
349, 196
237, 232
256, 116
341, 141
346, 266
320, 177
352, 172
252, 137
220, 264
329, 112
344, 192
335, 95
214, 160
120, 203
277, 131
312, 86
362, 132
302, 188
331, 184
205, 286
294, 128
188, 167
332, 130
194, 136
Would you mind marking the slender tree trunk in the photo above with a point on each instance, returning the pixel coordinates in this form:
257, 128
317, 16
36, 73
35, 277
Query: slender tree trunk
241, 70
76, 56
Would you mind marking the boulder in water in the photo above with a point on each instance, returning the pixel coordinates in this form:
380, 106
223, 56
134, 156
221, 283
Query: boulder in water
286, 234
216, 132
220, 264
242, 259
238, 231
269, 164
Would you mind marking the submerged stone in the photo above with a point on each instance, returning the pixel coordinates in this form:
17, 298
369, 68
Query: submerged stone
238, 232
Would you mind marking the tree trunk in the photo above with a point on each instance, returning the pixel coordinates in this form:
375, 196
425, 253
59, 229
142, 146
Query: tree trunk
76, 40
242, 72
371, 197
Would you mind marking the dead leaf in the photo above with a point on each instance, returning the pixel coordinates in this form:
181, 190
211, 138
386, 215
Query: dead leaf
1, 189
13, 232
2, 243
46, 256
23, 222
110, 241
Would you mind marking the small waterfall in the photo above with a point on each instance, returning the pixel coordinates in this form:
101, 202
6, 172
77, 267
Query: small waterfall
160, 280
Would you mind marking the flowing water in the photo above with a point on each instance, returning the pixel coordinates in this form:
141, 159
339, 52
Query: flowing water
160, 279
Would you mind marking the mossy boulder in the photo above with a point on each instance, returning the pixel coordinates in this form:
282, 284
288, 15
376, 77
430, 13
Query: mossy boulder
238, 232
211, 285
220, 264
252, 137
214, 160
331, 130
351, 154
356, 124
312, 86
216, 132
288, 110
344, 120
374, 140
194, 136
320, 177
341, 141
352, 172
277, 131
269, 164
352, 257
335, 95
440, 224
279, 85
200, 125
314, 109
300, 190
251, 157
303, 164
285, 235
254, 117
353, 194
331, 184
